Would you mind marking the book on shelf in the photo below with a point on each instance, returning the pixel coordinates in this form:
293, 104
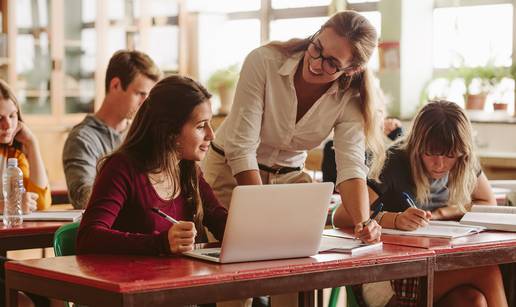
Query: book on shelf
492, 217
337, 241
61, 216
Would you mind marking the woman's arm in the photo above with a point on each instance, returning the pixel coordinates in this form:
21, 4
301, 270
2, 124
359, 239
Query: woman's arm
482, 194
250, 177
355, 210
410, 219
343, 218
38, 175
241, 129
113, 188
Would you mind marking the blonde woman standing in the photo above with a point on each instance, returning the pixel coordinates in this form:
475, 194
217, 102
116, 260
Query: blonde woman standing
290, 97
435, 168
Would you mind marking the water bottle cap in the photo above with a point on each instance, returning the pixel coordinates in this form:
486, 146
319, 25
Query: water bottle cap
12, 162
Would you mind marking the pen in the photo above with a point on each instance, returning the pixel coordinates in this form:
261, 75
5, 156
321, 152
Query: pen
164, 215
409, 200
374, 214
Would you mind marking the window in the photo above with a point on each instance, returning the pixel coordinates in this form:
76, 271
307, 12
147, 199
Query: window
285, 29
223, 6
229, 30
473, 36
79, 56
33, 56
283, 4
163, 47
476, 35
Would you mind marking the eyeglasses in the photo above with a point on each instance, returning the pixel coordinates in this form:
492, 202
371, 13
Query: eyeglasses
328, 65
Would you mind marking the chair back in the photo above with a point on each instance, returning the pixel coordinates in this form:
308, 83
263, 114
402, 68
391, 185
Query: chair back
64, 239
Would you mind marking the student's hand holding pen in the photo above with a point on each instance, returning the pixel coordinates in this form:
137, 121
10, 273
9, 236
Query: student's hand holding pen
369, 233
181, 237
412, 219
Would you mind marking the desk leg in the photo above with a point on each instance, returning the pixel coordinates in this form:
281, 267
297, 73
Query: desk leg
11, 297
427, 284
320, 295
307, 299
511, 295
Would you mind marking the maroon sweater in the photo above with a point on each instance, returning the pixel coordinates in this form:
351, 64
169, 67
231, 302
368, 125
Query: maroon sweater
118, 219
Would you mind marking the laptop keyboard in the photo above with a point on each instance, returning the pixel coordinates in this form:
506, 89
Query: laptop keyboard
216, 254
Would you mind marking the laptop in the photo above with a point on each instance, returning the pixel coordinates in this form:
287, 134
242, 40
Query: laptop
272, 222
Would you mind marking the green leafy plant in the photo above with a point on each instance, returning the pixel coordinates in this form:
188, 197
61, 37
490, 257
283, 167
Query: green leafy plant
223, 78
488, 76
479, 81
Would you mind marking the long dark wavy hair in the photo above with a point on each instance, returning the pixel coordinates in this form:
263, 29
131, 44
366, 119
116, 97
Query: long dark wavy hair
151, 145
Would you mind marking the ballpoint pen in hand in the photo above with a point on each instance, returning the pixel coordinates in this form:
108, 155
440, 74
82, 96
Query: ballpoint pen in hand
165, 216
409, 200
374, 214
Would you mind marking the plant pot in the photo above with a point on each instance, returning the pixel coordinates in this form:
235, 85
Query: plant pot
475, 102
226, 95
500, 106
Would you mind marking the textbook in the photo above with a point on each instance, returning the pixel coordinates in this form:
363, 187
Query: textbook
491, 217
339, 241
438, 229
64, 216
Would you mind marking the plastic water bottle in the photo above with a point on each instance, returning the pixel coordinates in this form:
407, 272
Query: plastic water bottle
13, 192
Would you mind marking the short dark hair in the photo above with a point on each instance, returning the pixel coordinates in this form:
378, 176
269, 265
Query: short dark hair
126, 64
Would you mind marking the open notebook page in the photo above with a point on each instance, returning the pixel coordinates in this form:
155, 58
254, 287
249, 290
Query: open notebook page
438, 230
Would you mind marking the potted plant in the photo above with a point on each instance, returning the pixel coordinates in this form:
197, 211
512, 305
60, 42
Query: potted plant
479, 82
223, 82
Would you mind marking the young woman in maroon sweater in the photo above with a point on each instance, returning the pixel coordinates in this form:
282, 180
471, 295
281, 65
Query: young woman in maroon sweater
155, 167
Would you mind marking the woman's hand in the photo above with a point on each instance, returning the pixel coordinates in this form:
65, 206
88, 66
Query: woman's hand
389, 124
24, 135
412, 219
29, 202
181, 237
370, 233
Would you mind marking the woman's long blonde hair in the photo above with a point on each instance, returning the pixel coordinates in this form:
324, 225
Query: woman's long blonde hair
442, 128
363, 39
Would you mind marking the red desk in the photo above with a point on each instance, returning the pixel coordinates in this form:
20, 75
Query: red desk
485, 248
59, 192
28, 235
108, 280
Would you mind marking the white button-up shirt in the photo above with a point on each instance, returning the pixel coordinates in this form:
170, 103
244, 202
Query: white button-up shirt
261, 127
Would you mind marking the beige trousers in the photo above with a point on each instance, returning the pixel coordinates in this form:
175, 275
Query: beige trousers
218, 174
